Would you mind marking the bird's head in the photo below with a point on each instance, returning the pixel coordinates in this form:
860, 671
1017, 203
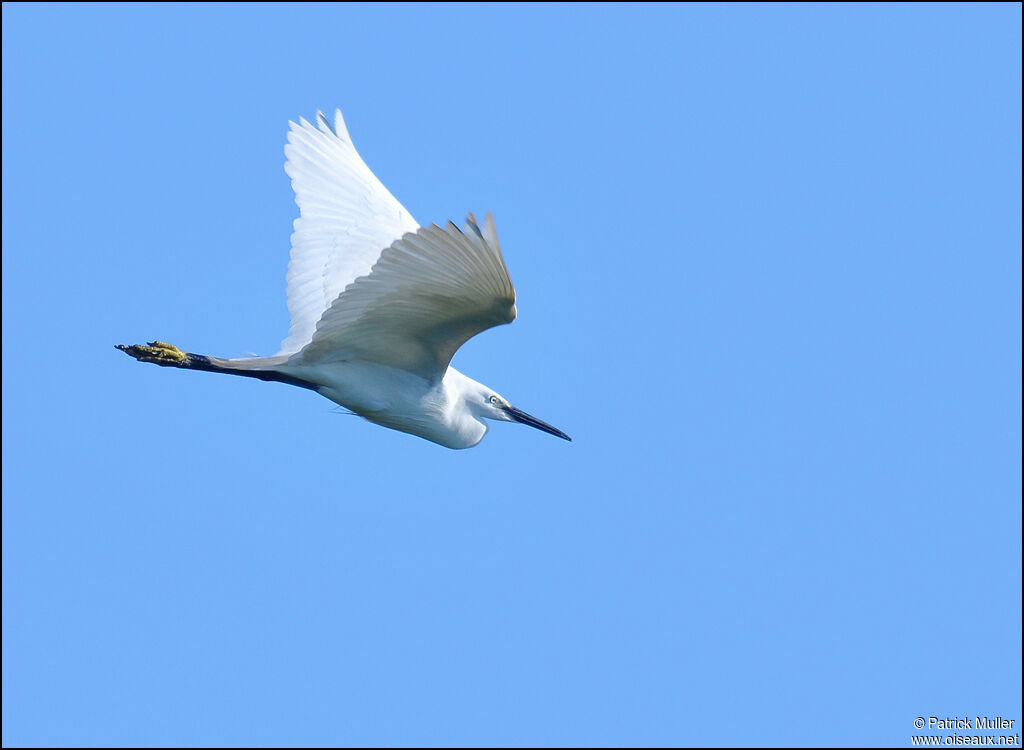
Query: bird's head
487, 403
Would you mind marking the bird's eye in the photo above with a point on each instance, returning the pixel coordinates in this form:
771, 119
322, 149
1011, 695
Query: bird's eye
494, 400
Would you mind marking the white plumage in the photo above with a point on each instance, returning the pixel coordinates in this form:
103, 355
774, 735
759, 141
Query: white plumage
378, 304
347, 218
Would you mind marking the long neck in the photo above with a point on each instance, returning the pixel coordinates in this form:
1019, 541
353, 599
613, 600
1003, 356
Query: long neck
460, 392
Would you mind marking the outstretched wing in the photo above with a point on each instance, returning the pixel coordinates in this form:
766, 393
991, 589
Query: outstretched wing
347, 217
427, 295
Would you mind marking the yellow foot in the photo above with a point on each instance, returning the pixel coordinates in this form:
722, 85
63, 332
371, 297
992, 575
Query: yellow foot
157, 352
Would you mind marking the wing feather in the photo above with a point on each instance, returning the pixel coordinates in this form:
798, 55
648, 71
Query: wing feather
347, 217
427, 294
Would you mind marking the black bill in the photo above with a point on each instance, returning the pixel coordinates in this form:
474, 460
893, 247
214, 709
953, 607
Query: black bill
524, 418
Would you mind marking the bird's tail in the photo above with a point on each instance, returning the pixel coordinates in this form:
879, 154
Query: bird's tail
168, 355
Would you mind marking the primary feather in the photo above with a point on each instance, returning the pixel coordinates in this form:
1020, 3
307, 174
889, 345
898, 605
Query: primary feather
347, 218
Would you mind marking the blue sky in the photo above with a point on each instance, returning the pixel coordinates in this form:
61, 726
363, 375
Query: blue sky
768, 262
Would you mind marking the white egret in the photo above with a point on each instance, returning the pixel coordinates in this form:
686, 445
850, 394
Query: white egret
378, 304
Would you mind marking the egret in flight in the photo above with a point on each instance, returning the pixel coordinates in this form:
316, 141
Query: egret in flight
378, 304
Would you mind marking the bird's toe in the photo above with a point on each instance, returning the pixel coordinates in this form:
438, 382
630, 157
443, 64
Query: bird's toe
157, 352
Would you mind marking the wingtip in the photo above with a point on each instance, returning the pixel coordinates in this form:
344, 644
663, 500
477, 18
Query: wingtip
490, 232
324, 124
472, 226
340, 128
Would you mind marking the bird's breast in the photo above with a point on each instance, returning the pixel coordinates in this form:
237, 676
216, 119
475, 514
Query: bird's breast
396, 399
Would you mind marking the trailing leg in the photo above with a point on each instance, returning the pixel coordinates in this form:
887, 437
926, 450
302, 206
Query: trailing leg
168, 355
